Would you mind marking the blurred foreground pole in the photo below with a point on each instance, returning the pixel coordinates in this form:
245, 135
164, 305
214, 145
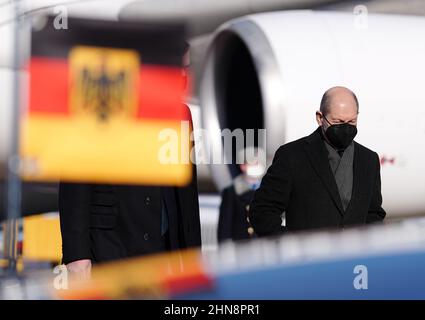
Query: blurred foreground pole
13, 200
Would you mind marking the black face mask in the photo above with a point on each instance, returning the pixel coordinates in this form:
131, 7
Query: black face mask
340, 135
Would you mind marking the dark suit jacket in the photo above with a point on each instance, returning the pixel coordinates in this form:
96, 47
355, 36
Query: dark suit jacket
300, 183
108, 222
232, 222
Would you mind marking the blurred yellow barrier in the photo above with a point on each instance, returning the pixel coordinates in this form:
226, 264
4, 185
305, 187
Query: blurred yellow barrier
42, 239
156, 276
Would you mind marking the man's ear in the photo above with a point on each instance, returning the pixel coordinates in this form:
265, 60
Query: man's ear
319, 118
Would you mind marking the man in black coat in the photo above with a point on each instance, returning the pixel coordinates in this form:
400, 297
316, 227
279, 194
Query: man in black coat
101, 222
233, 221
324, 180
108, 222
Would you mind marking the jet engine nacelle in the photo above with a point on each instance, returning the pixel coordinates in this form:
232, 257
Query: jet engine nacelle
270, 71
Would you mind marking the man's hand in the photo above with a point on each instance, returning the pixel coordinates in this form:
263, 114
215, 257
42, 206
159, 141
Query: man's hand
80, 269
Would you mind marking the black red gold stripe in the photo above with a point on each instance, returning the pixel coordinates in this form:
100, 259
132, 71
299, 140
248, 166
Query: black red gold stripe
160, 89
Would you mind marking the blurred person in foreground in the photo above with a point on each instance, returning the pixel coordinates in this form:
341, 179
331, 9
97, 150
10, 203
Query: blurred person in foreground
324, 180
233, 222
101, 222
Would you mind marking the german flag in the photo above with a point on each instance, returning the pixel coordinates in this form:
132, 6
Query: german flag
106, 104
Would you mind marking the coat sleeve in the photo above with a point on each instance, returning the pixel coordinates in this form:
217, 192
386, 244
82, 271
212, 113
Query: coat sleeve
376, 213
189, 206
272, 198
224, 229
189, 202
74, 202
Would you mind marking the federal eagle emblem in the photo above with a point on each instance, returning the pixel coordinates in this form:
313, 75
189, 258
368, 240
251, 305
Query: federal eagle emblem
104, 82
103, 93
